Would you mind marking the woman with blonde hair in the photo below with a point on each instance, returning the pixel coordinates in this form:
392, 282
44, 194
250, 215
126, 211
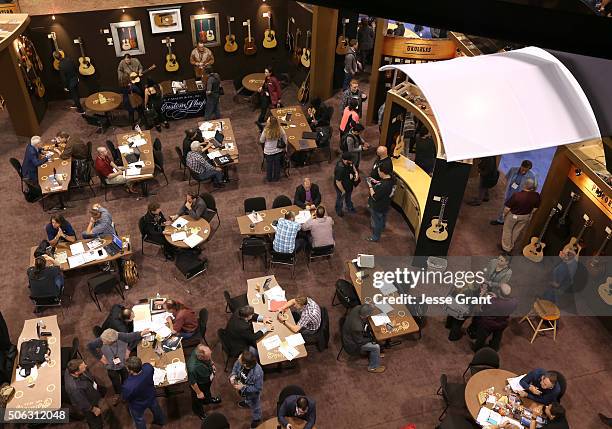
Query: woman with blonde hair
274, 142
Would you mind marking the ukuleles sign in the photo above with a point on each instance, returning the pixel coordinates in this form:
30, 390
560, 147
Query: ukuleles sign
420, 49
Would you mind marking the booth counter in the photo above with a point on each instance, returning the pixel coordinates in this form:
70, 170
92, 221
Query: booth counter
411, 193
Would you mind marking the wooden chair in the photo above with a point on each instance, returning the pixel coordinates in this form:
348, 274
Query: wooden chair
547, 312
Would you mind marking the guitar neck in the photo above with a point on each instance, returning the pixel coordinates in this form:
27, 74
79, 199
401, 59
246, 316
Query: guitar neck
269, 22
55, 42
249, 28
550, 216
442, 208
169, 48
344, 30
603, 246
82, 49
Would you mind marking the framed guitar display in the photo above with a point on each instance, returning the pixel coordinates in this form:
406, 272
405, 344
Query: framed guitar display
205, 29
127, 38
165, 20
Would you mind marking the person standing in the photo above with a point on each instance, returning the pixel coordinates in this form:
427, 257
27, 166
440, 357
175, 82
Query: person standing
357, 339
489, 175
33, 159
365, 39
274, 140
83, 392
199, 58
517, 212
400, 29
425, 151
563, 275
213, 92
345, 177
127, 66
270, 95
139, 392
381, 192
153, 101
354, 144
201, 372
351, 64
516, 178
494, 318
350, 117
383, 158
69, 74
355, 93
247, 378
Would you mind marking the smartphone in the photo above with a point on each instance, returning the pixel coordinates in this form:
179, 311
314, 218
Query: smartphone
266, 284
288, 116
45, 334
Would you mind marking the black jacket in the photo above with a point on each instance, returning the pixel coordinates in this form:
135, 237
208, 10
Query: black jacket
240, 334
114, 320
69, 73
354, 332
83, 396
152, 227
287, 409
300, 195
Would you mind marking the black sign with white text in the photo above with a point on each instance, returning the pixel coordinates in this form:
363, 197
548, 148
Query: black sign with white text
186, 105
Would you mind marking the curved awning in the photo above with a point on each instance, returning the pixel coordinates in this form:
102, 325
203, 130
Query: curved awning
502, 103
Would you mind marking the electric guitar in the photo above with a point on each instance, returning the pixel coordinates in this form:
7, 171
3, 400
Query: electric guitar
297, 51
172, 64
305, 59
201, 33
596, 256
575, 243
269, 41
86, 68
534, 251
304, 91
563, 223
125, 43
132, 40
56, 48
342, 46
438, 231
289, 37
230, 39
249, 43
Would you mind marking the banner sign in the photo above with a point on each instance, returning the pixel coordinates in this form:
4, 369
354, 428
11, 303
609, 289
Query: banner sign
186, 105
420, 49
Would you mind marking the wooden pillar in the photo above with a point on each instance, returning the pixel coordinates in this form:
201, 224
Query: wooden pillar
324, 25
381, 28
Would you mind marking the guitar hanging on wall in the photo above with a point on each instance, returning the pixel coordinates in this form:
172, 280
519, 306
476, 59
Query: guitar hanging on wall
342, 46
86, 68
56, 48
438, 231
563, 223
576, 243
289, 38
269, 41
597, 256
297, 51
304, 91
249, 43
125, 42
202, 33
28, 65
210, 34
534, 251
305, 59
172, 64
230, 40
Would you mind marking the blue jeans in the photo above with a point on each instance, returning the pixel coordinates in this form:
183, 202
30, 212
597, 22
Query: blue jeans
347, 81
159, 418
211, 108
216, 176
379, 220
347, 201
254, 403
186, 335
373, 351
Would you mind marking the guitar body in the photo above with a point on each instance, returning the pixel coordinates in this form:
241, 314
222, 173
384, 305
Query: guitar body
573, 245
125, 45
305, 58
249, 46
269, 41
86, 68
56, 63
438, 230
172, 64
534, 251
230, 44
342, 46
398, 147
40, 88
202, 36
210, 35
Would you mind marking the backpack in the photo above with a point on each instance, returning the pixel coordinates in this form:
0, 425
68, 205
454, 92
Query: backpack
81, 172
31, 353
32, 193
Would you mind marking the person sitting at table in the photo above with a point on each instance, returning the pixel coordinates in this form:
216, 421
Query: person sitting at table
494, 318
247, 378
197, 162
270, 137
300, 407
100, 223
540, 386
201, 372
45, 280
33, 159
154, 223
307, 195
286, 239
318, 114
111, 172
356, 338
194, 206
74, 146
120, 318
59, 229
305, 311
184, 321
321, 229
86, 396
191, 135
239, 330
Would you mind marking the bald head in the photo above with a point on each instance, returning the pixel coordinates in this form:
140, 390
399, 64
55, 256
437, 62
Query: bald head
203, 352
102, 151
381, 151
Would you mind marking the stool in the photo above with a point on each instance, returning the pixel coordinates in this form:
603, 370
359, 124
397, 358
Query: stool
546, 311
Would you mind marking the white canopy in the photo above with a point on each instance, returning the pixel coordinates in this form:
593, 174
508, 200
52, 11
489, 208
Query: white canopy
502, 103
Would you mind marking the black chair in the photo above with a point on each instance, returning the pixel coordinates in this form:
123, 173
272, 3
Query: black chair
290, 259
453, 395
181, 158
233, 304
69, 353
254, 246
97, 330
290, 390
114, 152
562, 384
158, 159
281, 201
17, 166
346, 295
106, 186
320, 252
485, 358
193, 176
101, 122
42, 302
254, 204
144, 238
103, 283
455, 421
321, 337
215, 421
227, 351
82, 171
211, 212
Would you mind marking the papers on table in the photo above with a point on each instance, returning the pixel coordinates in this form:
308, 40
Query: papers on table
271, 342
160, 318
33, 374
365, 261
133, 169
275, 294
77, 248
137, 141
193, 240
384, 307
61, 257
179, 236
255, 217
295, 340
275, 305
76, 260
159, 376
93, 244
125, 149
180, 222
289, 352
515, 384
488, 417
303, 216
176, 372
380, 319
141, 325
214, 154
162, 331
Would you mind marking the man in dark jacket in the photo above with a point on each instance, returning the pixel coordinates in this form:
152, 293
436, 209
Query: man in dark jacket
139, 392
494, 318
69, 73
540, 386
301, 407
383, 158
153, 225
83, 392
120, 319
194, 206
381, 192
32, 160
213, 92
239, 330
489, 175
307, 194
356, 339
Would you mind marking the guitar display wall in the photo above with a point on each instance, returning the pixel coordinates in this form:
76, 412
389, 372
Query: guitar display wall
229, 65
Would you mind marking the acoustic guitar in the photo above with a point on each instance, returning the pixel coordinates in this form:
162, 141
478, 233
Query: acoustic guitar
304, 91
131, 38
249, 43
297, 51
31, 51
398, 144
342, 46
210, 34
596, 257
438, 231
576, 243
230, 39
86, 68
56, 48
534, 251
28, 69
172, 64
289, 37
563, 223
125, 42
202, 33
305, 58
269, 41
135, 99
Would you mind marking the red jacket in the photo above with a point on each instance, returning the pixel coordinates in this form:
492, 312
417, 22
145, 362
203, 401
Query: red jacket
272, 86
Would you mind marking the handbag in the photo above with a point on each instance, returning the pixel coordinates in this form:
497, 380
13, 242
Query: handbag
31, 353
280, 144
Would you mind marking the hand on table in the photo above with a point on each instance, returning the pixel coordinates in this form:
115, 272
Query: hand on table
534, 390
145, 332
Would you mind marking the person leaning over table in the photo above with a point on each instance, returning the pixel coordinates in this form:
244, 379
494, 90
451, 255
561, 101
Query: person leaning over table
540, 386
120, 318
59, 229
100, 223
86, 396
197, 162
111, 348
74, 146
356, 337
185, 323
111, 172
139, 392
301, 407
270, 137
239, 330
247, 378
305, 311
321, 229
45, 280
201, 372
286, 238
307, 195
33, 159
194, 207
154, 223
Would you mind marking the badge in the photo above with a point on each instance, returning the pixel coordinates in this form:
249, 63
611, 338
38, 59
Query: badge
116, 361
95, 385
514, 186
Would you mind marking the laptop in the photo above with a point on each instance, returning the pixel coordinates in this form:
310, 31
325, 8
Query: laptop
310, 135
114, 247
218, 140
304, 144
223, 160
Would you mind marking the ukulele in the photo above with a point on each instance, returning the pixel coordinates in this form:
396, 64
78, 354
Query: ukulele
596, 256
86, 68
304, 91
172, 64
201, 33
563, 223
342, 46
269, 41
132, 40
249, 42
125, 43
575, 243
438, 231
289, 37
230, 39
297, 51
56, 48
305, 59
534, 251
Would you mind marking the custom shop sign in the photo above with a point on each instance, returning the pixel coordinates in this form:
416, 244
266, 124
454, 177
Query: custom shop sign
182, 106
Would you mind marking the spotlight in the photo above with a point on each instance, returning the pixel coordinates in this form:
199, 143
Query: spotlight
123, 10
577, 172
53, 17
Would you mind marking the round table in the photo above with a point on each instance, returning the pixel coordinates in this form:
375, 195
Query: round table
482, 380
273, 423
253, 81
110, 101
202, 224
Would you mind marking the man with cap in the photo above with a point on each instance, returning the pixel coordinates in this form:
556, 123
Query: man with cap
515, 182
381, 192
197, 163
357, 338
201, 372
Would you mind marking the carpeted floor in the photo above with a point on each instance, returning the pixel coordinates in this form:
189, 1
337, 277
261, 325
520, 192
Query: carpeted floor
347, 396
